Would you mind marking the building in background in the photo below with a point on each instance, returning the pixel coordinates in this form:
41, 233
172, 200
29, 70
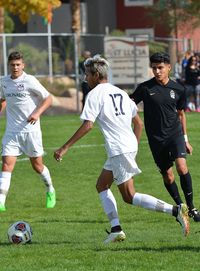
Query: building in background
104, 16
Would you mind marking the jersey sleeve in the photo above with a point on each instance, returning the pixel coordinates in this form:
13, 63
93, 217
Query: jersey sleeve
181, 104
37, 88
134, 109
137, 94
92, 106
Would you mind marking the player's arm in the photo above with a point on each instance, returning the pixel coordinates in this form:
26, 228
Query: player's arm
138, 125
83, 130
182, 117
40, 109
136, 96
2, 104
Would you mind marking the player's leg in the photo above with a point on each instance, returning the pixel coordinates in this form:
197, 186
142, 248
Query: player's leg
165, 163
8, 164
109, 204
178, 152
129, 195
151, 203
186, 185
124, 167
33, 148
170, 185
40, 168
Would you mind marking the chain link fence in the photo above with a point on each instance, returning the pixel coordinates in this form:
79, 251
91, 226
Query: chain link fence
50, 55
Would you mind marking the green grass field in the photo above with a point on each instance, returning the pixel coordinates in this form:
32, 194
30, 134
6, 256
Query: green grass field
70, 236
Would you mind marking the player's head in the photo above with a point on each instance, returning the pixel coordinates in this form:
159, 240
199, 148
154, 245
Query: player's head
86, 54
96, 70
16, 64
160, 64
160, 58
15, 56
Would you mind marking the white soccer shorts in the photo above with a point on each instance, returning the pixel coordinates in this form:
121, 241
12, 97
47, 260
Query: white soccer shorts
15, 144
123, 166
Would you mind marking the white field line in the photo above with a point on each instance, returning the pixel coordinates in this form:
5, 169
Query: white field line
55, 148
76, 146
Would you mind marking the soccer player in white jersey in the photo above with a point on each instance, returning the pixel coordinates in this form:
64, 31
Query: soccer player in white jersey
115, 113
25, 99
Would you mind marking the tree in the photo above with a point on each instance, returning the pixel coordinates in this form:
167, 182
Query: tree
24, 9
173, 14
76, 14
1, 20
193, 10
76, 20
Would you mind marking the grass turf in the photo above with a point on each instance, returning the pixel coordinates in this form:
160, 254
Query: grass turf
70, 236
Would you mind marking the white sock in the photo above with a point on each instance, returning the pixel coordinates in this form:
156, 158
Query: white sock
46, 178
152, 203
5, 178
110, 206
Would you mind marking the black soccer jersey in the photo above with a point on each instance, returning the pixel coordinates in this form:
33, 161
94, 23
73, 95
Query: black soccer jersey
161, 103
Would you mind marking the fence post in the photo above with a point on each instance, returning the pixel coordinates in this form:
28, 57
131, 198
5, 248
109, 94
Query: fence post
5, 55
135, 60
50, 53
76, 70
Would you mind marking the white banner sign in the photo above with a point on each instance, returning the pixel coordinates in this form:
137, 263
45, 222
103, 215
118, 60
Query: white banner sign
129, 60
129, 3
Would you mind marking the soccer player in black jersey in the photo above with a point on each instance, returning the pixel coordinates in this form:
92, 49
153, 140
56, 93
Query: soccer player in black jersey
165, 124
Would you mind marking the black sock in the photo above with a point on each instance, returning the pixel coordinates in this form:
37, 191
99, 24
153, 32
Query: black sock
186, 184
173, 191
175, 211
116, 228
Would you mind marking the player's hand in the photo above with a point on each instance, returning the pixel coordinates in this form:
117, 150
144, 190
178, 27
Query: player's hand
59, 153
33, 118
189, 148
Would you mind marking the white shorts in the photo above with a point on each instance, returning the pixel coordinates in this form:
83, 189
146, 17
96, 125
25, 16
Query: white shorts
15, 144
123, 167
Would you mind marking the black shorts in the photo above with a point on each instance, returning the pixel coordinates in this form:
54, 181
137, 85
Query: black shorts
165, 157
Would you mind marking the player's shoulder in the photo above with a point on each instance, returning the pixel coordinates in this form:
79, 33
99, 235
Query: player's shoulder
5, 78
147, 84
29, 77
175, 85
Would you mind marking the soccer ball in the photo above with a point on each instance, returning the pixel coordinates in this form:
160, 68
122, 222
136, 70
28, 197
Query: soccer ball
20, 233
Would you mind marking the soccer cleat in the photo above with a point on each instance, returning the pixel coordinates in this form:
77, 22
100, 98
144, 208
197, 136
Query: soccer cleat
183, 218
50, 199
115, 237
195, 214
2, 208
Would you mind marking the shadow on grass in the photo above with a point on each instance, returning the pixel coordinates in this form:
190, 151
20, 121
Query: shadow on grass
75, 221
148, 249
111, 247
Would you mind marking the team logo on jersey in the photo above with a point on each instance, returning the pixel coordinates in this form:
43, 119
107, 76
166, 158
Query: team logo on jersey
172, 94
20, 87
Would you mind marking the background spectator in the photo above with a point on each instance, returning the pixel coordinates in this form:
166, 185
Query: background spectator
84, 85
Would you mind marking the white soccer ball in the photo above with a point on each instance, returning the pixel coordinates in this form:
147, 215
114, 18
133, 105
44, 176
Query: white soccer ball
20, 233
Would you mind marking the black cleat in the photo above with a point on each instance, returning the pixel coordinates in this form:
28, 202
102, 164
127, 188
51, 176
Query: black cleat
195, 214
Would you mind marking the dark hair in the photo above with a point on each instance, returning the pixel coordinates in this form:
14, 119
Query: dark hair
190, 60
15, 55
160, 58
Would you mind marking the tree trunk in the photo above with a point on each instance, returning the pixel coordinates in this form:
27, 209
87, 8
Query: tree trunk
76, 20
1, 20
76, 13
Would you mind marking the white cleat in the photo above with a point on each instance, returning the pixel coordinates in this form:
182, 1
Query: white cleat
183, 218
115, 237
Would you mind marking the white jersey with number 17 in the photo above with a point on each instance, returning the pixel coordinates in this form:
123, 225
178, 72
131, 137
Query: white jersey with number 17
113, 110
